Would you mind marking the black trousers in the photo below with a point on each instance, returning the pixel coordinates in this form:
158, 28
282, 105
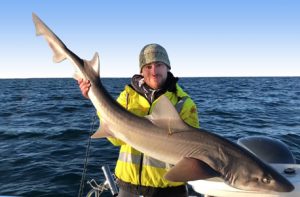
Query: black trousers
129, 190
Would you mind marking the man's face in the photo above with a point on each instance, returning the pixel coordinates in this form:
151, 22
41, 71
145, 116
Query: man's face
155, 74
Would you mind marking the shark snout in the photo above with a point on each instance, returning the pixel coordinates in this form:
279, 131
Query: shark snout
284, 186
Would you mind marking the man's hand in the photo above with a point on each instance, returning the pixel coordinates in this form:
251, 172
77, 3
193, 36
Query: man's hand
84, 86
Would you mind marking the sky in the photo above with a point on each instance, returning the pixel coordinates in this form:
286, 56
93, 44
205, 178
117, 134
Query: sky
204, 38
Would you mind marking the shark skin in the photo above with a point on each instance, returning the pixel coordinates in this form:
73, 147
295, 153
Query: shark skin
195, 153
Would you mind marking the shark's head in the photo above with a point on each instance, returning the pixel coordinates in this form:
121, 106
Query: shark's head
260, 177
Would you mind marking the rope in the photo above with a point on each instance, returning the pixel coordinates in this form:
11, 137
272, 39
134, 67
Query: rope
86, 159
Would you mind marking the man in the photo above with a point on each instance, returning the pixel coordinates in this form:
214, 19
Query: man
137, 173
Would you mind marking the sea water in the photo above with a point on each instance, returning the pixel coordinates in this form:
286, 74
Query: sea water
45, 126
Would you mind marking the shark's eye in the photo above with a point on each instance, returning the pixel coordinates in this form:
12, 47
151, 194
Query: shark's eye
266, 180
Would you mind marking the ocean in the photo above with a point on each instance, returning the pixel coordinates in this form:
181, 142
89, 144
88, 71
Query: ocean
45, 126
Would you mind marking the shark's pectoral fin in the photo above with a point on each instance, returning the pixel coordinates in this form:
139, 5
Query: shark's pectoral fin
189, 169
102, 132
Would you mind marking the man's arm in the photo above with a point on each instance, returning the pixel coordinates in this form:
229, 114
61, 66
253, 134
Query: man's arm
84, 86
189, 113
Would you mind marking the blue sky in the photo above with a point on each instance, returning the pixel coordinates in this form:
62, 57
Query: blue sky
203, 38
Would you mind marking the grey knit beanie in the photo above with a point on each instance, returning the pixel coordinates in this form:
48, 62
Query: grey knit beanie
153, 53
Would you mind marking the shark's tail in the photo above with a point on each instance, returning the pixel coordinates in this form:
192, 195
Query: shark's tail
61, 52
57, 46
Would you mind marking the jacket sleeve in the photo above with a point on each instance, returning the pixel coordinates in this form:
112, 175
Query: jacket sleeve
122, 99
189, 113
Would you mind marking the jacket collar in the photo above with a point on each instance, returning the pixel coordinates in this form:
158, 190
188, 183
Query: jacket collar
138, 84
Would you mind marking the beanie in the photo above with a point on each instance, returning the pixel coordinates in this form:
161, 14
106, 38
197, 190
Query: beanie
153, 53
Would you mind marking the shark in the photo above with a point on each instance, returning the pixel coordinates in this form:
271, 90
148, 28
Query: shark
194, 153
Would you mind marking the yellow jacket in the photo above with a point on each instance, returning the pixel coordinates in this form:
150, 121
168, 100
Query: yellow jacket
133, 166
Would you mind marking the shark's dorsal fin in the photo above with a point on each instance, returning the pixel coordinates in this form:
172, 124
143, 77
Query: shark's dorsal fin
91, 66
164, 115
94, 63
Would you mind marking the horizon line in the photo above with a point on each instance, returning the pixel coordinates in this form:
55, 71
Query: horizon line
122, 77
